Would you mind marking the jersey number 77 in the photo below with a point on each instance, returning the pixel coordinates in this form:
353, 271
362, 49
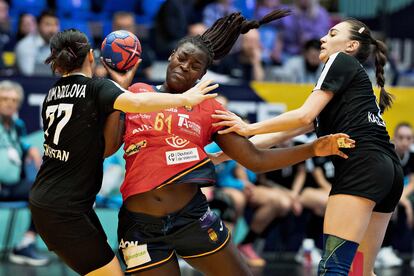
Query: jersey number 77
51, 116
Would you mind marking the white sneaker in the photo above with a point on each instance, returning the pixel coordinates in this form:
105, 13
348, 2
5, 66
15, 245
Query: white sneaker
387, 258
314, 252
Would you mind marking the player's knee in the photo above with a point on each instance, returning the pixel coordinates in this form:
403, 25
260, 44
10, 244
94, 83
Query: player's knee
337, 257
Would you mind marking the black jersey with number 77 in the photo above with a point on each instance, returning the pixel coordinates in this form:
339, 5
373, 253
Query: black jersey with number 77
73, 114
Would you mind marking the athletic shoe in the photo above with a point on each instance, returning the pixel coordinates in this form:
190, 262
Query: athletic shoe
28, 255
250, 255
387, 258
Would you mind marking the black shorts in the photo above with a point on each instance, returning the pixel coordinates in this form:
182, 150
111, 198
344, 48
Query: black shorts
76, 237
146, 241
372, 175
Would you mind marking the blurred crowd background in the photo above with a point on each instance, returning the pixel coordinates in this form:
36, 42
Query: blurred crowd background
283, 51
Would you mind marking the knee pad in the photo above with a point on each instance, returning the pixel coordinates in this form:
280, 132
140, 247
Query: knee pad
337, 257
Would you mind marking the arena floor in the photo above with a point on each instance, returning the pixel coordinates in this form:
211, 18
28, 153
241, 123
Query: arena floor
274, 268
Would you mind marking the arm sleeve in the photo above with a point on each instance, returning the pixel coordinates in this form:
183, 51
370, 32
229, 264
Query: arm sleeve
106, 93
337, 73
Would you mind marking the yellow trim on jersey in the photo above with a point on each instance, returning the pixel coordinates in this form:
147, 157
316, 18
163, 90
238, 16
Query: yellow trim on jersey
150, 265
210, 252
184, 173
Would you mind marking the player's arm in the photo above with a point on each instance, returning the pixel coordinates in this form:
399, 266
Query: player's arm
268, 140
260, 160
149, 102
113, 132
320, 178
334, 79
297, 118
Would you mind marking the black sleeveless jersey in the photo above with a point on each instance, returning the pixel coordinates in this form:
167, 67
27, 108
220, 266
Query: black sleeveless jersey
73, 113
353, 109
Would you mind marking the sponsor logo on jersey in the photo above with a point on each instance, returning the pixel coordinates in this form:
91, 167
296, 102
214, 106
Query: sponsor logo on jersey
173, 109
181, 156
207, 219
124, 244
212, 235
139, 115
176, 142
376, 119
134, 254
184, 121
141, 128
134, 148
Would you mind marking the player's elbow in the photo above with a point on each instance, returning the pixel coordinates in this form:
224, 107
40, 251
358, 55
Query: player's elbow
305, 118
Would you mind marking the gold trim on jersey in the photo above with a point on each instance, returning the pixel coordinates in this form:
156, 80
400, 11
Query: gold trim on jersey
184, 173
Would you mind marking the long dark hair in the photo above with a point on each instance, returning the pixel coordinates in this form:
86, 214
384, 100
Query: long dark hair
360, 32
218, 40
68, 50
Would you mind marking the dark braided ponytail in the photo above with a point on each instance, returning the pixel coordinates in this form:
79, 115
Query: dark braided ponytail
380, 54
360, 32
218, 40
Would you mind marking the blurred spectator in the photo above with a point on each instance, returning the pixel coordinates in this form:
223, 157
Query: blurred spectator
316, 198
403, 140
32, 50
171, 25
270, 32
401, 225
126, 21
196, 29
13, 154
27, 25
309, 20
305, 68
237, 183
7, 40
245, 64
113, 176
216, 10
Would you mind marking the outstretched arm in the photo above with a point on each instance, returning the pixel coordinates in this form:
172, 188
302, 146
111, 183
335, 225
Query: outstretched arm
258, 160
293, 119
149, 102
268, 140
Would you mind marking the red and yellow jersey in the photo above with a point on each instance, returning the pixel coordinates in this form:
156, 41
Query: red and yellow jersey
167, 147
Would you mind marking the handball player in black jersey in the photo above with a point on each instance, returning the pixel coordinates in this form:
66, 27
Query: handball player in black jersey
368, 184
74, 114
164, 213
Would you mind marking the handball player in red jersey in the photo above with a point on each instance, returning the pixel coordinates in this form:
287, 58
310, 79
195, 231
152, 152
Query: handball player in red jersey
164, 212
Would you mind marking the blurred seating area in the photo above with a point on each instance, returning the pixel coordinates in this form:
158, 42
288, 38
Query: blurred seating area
277, 52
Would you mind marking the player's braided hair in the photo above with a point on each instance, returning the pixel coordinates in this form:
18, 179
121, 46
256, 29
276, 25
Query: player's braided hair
218, 40
68, 50
361, 33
